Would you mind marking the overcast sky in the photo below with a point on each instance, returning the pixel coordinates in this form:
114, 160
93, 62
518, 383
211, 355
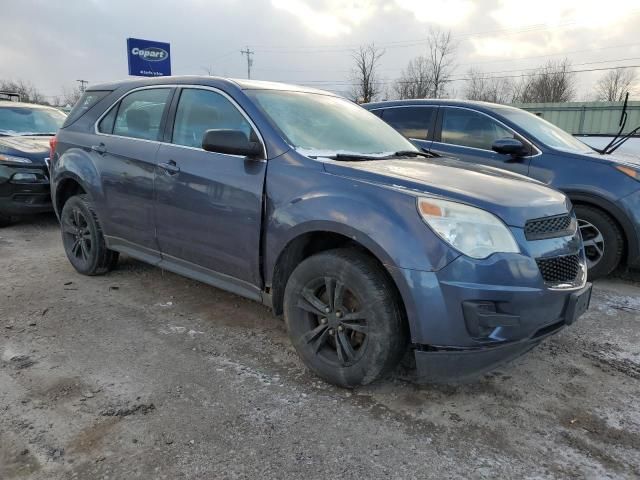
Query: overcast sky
52, 44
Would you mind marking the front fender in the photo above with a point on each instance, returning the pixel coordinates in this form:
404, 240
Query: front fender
383, 220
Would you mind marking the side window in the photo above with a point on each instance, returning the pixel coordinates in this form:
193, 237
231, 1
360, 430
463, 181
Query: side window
201, 110
106, 124
412, 122
140, 114
471, 129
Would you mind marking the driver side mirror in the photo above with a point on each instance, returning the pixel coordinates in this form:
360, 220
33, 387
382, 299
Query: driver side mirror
232, 142
509, 146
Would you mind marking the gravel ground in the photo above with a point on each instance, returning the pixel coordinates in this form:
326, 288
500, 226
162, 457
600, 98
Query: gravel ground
145, 374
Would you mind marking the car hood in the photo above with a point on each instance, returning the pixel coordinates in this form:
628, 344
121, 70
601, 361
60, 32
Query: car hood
622, 158
617, 158
514, 198
35, 148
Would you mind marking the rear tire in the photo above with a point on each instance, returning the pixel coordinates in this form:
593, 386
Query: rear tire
5, 220
82, 238
344, 318
603, 240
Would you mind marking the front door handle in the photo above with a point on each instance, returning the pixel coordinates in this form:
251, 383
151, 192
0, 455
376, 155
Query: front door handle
101, 148
170, 167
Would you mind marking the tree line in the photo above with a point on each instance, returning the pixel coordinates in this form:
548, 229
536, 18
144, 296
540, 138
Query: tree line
30, 94
432, 74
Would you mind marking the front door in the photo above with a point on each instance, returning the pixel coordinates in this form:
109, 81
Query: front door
208, 206
468, 135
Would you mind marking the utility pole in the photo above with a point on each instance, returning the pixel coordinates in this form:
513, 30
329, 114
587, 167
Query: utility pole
83, 84
248, 53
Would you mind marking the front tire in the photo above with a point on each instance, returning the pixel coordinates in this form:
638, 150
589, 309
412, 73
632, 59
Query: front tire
82, 238
603, 240
343, 317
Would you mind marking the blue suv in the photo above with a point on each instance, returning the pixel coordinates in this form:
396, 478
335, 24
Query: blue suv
304, 201
604, 188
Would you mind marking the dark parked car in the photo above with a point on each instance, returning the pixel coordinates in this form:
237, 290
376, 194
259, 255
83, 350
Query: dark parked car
605, 189
310, 204
25, 131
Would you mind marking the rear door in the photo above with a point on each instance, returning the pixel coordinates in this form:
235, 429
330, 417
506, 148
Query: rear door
208, 205
125, 151
414, 122
468, 135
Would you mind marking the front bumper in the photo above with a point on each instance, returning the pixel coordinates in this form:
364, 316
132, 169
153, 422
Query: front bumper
442, 365
24, 189
473, 315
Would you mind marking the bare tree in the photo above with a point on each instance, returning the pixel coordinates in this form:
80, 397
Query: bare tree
365, 76
28, 93
428, 75
614, 84
481, 87
71, 96
441, 50
553, 82
415, 81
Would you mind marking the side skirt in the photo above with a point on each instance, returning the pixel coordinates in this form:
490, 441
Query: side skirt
188, 269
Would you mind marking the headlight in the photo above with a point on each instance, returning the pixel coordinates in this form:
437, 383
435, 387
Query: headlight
632, 172
472, 231
11, 158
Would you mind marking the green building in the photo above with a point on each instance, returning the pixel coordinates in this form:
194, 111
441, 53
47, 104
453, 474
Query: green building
586, 118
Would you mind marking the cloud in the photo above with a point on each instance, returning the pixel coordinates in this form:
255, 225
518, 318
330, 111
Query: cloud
591, 14
443, 12
336, 18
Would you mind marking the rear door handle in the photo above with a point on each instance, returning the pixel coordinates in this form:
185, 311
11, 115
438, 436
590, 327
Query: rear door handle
170, 167
101, 148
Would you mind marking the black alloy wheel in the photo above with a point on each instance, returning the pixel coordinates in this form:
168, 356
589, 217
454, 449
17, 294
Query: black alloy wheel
336, 321
344, 317
82, 238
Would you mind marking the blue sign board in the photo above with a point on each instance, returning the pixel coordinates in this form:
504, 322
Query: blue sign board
148, 58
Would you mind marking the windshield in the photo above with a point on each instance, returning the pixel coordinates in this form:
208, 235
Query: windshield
323, 123
544, 131
30, 121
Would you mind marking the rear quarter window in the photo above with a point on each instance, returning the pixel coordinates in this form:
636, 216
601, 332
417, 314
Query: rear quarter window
82, 106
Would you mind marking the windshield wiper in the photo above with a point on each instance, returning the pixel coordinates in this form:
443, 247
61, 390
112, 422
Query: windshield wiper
361, 157
31, 134
356, 157
414, 153
616, 141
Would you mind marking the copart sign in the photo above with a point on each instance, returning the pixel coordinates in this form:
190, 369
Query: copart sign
148, 58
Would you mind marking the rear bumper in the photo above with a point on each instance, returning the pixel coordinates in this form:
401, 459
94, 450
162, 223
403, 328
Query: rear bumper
24, 190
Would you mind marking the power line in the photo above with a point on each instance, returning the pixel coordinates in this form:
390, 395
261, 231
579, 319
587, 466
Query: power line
83, 84
347, 83
561, 54
248, 53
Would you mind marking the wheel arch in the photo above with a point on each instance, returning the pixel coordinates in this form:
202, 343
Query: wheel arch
631, 251
311, 242
67, 186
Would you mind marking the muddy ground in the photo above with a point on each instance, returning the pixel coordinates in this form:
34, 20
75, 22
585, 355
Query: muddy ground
144, 374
